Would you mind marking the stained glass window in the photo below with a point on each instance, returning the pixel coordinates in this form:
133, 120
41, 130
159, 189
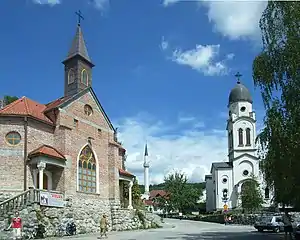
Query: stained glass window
87, 171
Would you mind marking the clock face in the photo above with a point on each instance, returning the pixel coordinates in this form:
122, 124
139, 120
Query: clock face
71, 76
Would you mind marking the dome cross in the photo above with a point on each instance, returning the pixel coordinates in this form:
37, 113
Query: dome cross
238, 76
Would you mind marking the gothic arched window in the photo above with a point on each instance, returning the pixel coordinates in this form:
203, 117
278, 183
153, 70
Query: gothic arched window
71, 76
248, 137
240, 137
84, 77
87, 170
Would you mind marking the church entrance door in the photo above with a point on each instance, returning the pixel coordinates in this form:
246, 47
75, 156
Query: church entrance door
45, 181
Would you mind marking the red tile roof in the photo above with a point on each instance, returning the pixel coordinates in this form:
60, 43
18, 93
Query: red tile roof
56, 103
156, 193
48, 151
125, 173
26, 107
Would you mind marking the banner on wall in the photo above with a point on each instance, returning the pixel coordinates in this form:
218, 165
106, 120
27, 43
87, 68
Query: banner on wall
51, 199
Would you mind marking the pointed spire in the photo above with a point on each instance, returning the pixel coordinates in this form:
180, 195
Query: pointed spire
78, 47
146, 150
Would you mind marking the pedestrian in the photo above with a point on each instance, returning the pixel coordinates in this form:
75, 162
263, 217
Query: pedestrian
288, 228
103, 226
225, 219
229, 219
180, 215
16, 225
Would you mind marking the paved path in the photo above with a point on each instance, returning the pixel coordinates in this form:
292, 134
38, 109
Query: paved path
189, 230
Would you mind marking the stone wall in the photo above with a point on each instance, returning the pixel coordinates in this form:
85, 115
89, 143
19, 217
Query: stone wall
86, 214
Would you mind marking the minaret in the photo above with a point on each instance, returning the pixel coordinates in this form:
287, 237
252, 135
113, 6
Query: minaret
146, 170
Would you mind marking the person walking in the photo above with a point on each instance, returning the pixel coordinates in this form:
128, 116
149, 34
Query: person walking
16, 225
288, 228
103, 226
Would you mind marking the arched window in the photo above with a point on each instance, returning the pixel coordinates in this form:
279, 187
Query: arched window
267, 193
87, 171
71, 76
248, 137
240, 137
84, 77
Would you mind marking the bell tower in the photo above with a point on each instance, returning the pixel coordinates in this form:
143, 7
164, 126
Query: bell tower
78, 65
241, 123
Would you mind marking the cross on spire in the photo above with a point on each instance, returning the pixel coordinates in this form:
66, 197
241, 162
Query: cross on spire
238, 76
79, 17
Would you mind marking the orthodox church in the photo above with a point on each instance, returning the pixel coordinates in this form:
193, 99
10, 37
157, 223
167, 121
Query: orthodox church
68, 145
225, 183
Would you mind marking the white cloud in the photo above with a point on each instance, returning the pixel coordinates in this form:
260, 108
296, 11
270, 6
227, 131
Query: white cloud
191, 150
164, 44
49, 2
236, 19
203, 59
101, 4
169, 2
233, 19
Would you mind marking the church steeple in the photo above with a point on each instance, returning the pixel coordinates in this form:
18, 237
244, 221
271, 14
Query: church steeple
78, 65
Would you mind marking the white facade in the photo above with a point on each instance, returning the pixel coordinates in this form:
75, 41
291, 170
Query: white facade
243, 162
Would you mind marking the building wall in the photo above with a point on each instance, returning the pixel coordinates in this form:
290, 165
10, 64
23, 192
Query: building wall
222, 185
76, 135
69, 138
12, 157
209, 195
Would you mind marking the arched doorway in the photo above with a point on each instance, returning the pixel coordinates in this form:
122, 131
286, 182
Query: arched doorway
45, 181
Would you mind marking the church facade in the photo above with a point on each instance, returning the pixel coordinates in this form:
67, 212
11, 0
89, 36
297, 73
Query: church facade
225, 183
68, 145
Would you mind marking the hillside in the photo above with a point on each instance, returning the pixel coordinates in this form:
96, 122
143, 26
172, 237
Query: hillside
200, 186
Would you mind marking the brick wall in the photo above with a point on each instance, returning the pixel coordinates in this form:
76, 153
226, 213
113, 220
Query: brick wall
68, 137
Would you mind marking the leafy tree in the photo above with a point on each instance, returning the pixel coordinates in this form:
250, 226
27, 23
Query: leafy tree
136, 195
181, 196
276, 72
251, 196
9, 99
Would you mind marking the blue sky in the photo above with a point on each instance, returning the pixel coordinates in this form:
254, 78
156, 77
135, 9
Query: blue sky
164, 69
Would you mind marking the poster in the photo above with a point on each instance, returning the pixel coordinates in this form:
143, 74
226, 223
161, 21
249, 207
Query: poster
52, 199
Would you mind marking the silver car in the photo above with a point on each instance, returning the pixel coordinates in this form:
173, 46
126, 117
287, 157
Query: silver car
270, 222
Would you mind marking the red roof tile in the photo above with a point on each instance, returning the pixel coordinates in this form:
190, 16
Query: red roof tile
156, 193
125, 173
48, 151
56, 103
26, 107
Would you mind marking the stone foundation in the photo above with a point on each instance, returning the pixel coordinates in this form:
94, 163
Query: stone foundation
85, 213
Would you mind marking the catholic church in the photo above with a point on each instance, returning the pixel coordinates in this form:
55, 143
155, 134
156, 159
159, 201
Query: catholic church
225, 183
68, 145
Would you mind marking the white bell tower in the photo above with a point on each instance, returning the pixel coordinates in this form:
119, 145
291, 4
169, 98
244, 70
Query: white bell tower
241, 123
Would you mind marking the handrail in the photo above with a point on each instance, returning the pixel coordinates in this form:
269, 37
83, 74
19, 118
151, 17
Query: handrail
19, 201
14, 197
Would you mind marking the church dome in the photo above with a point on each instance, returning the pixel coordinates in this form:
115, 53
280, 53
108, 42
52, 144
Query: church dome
239, 93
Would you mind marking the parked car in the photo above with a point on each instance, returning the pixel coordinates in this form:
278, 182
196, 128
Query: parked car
296, 228
270, 222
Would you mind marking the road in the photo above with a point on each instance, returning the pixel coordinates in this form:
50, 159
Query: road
190, 230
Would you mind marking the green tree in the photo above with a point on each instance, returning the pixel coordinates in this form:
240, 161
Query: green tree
276, 72
136, 195
251, 196
181, 195
9, 99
